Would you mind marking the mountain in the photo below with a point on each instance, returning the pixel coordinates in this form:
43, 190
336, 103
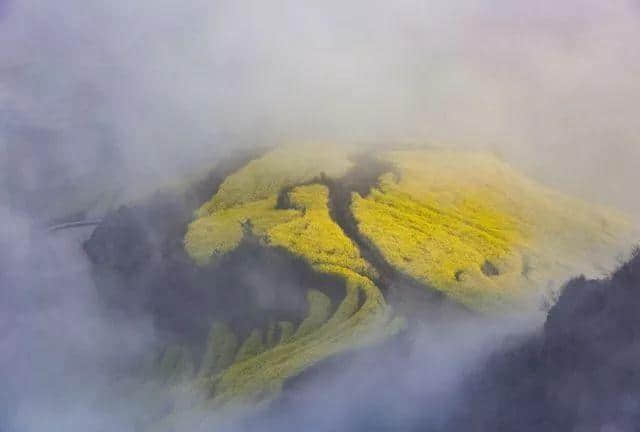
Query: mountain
281, 260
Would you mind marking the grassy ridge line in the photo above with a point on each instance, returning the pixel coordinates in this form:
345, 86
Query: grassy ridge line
307, 231
252, 383
221, 348
319, 311
315, 236
263, 178
221, 232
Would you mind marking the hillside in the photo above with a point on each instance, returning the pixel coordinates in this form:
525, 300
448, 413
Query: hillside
305, 252
462, 223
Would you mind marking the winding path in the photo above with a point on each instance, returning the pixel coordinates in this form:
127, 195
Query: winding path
74, 224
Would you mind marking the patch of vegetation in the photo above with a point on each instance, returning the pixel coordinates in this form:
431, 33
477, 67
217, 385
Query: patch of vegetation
286, 329
175, 364
270, 339
306, 230
212, 236
260, 378
433, 244
222, 344
251, 346
450, 213
314, 235
319, 310
263, 178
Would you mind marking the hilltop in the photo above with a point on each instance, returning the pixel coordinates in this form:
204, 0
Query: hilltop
304, 252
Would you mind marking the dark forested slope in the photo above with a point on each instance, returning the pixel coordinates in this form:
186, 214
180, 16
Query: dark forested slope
581, 373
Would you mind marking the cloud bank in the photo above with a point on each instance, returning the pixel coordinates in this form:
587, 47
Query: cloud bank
153, 88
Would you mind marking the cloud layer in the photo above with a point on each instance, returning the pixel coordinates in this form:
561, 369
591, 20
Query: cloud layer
156, 87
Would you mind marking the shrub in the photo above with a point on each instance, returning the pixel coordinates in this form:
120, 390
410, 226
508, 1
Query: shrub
251, 346
319, 310
220, 351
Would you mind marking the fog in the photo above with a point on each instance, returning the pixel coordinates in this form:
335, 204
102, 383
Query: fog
58, 346
120, 97
151, 88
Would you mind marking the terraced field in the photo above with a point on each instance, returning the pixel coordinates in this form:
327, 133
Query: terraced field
465, 225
